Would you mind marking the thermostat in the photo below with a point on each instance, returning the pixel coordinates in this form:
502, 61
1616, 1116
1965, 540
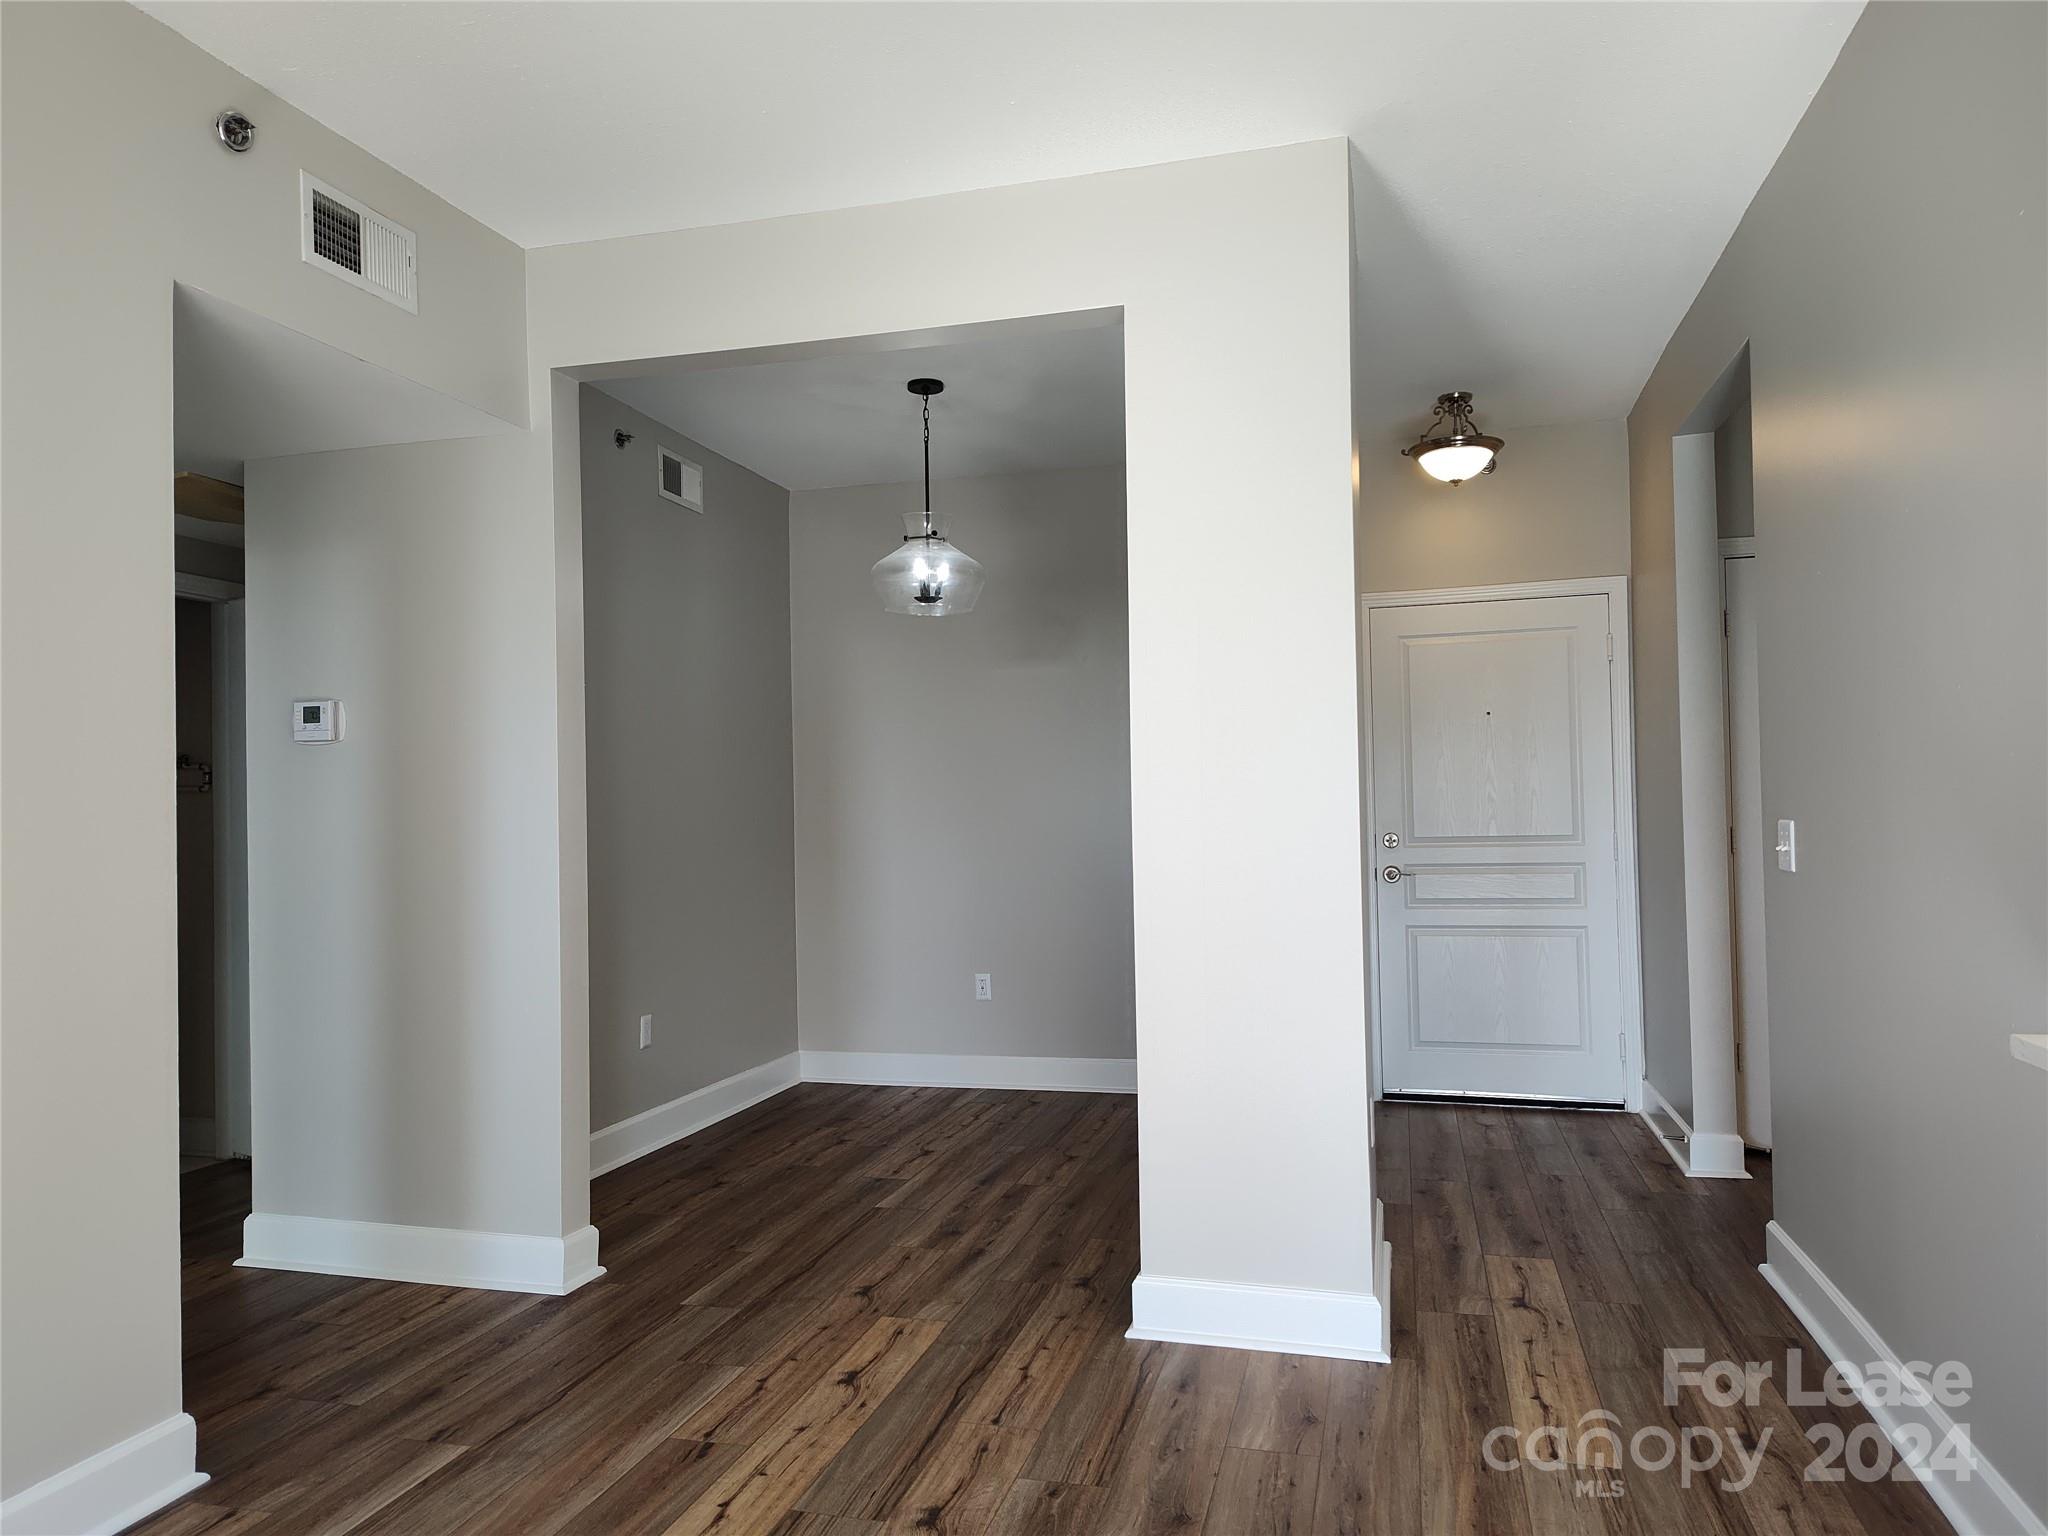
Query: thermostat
316, 719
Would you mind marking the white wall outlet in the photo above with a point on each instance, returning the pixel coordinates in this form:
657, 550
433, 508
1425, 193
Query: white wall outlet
646, 1030
1788, 846
983, 991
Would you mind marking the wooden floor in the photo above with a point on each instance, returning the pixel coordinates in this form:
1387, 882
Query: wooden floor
852, 1311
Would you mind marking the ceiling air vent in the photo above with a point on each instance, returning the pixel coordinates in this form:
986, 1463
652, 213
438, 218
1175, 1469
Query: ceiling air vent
357, 244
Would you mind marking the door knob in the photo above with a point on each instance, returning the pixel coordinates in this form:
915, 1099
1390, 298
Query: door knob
1391, 874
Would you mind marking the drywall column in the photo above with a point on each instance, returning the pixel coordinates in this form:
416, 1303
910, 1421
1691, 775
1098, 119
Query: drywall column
1714, 1148
406, 992
1258, 1222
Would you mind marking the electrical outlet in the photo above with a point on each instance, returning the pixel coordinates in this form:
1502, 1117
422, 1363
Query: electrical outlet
646, 1030
983, 991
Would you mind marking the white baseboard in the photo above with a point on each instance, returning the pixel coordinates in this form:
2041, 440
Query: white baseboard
1070, 1074
485, 1261
111, 1490
1979, 1502
1341, 1325
1715, 1155
617, 1145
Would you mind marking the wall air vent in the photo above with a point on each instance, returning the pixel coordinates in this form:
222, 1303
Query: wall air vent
357, 244
678, 480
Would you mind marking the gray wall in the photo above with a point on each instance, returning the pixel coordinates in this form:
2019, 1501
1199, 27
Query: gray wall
1556, 509
1888, 281
1734, 507
89, 1325
692, 822
964, 786
404, 915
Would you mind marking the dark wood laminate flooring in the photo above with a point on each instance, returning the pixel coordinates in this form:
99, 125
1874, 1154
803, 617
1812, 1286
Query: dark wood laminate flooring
857, 1311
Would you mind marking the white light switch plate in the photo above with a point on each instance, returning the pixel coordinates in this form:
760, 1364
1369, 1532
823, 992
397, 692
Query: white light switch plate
646, 1030
1788, 846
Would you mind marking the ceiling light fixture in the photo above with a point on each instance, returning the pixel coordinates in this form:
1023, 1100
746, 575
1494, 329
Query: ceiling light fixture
1451, 448
927, 577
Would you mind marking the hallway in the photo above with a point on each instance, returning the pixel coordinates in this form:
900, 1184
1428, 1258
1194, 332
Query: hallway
851, 1311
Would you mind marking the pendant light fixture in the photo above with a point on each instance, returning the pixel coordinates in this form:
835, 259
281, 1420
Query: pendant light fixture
1452, 449
927, 577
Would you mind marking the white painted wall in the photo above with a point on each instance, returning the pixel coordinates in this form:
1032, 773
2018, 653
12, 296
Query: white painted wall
963, 788
89, 1247
1254, 1155
692, 836
1887, 280
405, 988
1692, 1054
1555, 510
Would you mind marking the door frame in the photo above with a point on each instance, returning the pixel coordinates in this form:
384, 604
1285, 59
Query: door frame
233, 1094
1621, 702
1752, 1068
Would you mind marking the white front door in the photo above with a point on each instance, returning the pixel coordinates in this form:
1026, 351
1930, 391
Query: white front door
1495, 875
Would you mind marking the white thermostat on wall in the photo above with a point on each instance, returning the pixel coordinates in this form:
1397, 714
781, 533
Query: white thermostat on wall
316, 719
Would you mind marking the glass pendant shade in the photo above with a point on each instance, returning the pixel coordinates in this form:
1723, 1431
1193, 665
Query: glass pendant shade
1457, 463
926, 576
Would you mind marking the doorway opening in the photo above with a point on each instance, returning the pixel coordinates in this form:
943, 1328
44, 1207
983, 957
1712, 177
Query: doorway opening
1708, 1081
213, 864
830, 842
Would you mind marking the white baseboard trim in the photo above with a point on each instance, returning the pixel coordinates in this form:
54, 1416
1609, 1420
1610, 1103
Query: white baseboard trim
111, 1490
1068, 1074
650, 1130
485, 1261
1715, 1155
1340, 1325
1978, 1501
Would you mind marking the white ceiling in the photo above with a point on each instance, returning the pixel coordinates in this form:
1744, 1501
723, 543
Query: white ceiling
1051, 400
249, 388
1542, 187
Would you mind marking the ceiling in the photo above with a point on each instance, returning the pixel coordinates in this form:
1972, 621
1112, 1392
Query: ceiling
1012, 405
248, 388
1542, 188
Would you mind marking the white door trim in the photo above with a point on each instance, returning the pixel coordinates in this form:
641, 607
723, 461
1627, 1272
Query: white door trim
1621, 694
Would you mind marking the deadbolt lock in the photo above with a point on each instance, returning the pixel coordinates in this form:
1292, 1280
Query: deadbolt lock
1391, 840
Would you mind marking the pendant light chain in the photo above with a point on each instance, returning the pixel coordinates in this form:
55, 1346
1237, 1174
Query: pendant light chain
927, 466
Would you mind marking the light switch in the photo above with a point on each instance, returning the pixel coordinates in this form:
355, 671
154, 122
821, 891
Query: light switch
1788, 847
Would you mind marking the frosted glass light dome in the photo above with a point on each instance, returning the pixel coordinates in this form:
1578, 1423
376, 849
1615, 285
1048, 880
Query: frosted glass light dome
926, 576
1455, 463
1451, 448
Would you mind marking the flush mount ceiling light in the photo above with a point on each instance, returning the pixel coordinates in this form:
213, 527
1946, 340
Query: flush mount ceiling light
927, 576
1451, 448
